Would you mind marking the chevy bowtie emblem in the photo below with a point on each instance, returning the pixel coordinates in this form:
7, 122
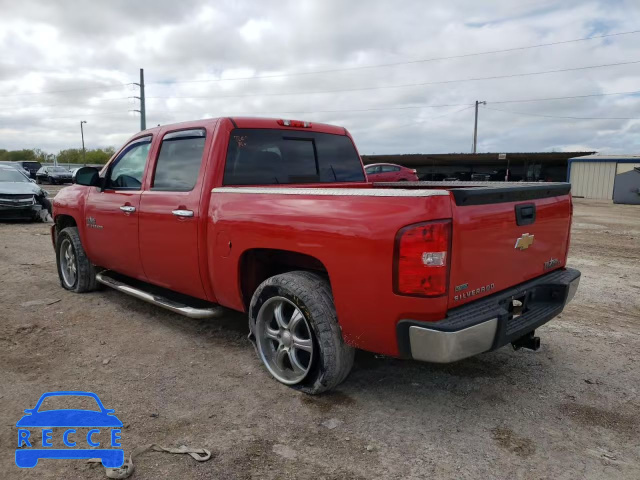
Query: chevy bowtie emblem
524, 242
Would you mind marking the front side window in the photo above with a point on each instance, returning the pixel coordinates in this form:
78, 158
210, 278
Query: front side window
127, 170
268, 157
373, 170
179, 161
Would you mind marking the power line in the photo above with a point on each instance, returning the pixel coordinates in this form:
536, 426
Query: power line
566, 97
420, 84
376, 109
334, 70
425, 120
105, 87
393, 64
559, 116
105, 114
413, 107
60, 104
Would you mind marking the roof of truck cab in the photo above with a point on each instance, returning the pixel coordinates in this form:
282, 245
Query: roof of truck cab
260, 122
250, 122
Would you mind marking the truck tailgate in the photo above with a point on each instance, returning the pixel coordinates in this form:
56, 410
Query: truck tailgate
502, 237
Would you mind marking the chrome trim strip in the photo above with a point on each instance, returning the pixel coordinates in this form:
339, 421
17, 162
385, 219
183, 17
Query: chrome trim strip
191, 312
443, 347
338, 192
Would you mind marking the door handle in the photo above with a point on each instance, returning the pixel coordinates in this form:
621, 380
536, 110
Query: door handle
128, 209
183, 213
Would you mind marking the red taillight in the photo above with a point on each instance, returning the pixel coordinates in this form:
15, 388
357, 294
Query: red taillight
294, 123
422, 259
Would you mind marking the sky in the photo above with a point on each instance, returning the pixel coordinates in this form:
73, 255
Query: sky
66, 61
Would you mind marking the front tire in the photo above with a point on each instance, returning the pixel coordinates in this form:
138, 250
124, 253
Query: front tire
76, 272
297, 335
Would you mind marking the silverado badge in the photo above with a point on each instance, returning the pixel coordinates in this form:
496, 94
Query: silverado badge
551, 263
91, 223
524, 242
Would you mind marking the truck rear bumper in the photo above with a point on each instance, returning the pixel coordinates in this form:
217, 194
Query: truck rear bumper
489, 323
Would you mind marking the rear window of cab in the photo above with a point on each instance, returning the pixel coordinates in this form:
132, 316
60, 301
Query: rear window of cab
267, 157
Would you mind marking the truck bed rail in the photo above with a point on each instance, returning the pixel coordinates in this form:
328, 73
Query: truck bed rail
481, 193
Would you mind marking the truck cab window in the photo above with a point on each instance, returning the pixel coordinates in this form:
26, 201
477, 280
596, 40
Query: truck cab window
270, 157
127, 170
179, 161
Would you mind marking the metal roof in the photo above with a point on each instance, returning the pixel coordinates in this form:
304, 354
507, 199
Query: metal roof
473, 159
630, 158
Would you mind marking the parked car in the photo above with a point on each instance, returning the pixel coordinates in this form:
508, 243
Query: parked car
388, 172
16, 166
481, 177
53, 175
433, 177
20, 198
276, 218
31, 166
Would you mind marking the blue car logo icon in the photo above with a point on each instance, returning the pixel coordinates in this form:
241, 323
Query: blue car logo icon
35, 433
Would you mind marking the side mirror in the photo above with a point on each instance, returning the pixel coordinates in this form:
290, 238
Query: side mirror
88, 176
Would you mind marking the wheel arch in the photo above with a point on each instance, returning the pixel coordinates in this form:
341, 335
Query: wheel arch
63, 221
258, 264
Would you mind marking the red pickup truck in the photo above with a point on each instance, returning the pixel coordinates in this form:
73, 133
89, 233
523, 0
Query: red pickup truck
275, 218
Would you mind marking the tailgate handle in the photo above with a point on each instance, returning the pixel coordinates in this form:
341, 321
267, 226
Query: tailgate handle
525, 214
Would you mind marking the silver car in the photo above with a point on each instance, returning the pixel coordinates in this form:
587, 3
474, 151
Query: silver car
21, 198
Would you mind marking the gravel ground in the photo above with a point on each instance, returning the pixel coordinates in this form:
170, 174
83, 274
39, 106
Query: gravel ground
568, 411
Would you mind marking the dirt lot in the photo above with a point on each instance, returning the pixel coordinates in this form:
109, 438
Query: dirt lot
570, 410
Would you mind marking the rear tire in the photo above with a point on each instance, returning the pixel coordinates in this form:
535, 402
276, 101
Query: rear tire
312, 353
76, 272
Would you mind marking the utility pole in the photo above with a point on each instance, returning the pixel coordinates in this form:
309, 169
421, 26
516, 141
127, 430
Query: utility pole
143, 108
84, 156
475, 127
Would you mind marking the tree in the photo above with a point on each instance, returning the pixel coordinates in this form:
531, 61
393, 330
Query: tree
70, 155
16, 155
98, 156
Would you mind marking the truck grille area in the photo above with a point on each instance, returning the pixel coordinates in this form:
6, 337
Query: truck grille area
16, 200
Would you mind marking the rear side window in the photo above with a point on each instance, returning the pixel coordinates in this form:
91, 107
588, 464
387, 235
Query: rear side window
179, 161
390, 168
267, 157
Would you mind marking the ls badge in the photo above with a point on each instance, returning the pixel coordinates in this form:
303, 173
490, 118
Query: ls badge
524, 242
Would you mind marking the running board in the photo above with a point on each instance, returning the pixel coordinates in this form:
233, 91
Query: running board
177, 307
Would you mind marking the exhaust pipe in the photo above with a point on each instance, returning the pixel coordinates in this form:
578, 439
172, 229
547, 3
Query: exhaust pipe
528, 341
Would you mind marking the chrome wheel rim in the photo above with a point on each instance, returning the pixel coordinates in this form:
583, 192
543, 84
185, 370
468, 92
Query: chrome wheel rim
284, 340
68, 266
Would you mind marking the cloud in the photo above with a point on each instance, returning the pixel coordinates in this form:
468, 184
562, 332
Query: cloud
68, 61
